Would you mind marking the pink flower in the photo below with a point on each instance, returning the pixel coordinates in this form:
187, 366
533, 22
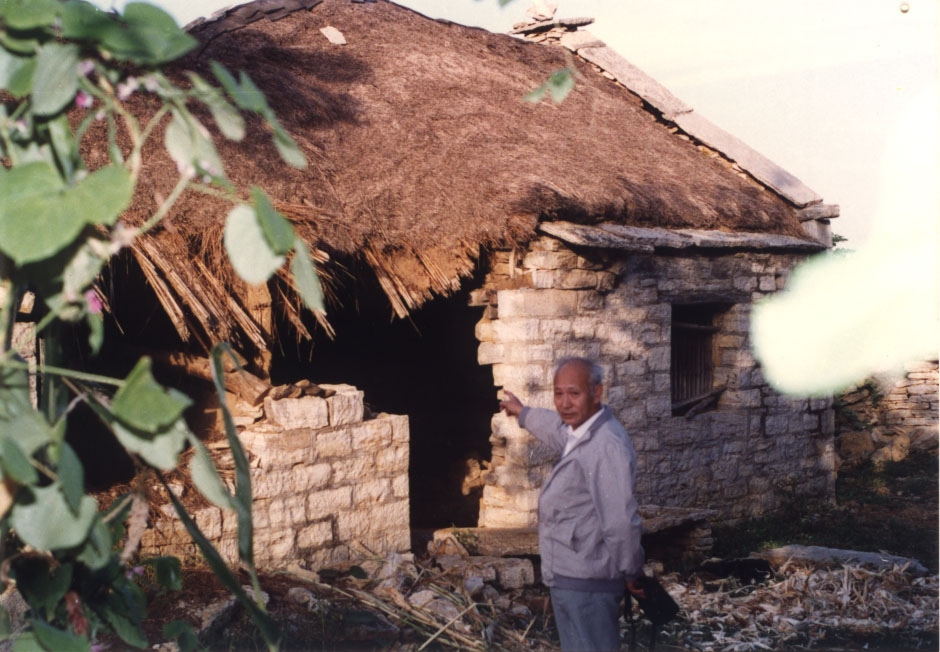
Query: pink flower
127, 88
93, 301
83, 100
86, 67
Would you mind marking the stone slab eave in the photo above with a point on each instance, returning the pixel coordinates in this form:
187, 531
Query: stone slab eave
648, 240
694, 124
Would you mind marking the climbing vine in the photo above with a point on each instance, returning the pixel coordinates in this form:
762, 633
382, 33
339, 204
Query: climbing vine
64, 66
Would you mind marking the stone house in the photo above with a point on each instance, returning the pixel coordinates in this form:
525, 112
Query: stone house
467, 239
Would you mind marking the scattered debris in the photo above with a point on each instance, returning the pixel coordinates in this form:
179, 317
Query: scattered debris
803, 604
821, 556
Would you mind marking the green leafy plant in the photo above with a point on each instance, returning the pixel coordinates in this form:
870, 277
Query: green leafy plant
65, 65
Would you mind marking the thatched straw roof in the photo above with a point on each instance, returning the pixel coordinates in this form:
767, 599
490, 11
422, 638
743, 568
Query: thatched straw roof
423, 153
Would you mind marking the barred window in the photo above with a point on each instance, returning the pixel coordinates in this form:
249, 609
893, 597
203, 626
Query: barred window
692, 363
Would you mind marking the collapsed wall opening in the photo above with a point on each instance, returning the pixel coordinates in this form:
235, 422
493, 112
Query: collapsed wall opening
424, 367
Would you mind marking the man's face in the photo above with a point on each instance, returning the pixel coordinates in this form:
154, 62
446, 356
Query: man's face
574, 400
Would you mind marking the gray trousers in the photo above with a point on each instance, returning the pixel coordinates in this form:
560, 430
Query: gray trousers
587, 621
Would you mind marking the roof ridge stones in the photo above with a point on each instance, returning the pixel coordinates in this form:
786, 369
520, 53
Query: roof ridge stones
567, 33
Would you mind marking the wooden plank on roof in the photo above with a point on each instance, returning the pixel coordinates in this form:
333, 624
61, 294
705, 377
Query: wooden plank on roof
636, 80
755, 163
645, 239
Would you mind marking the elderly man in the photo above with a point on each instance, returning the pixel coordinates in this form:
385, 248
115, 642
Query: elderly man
589, 526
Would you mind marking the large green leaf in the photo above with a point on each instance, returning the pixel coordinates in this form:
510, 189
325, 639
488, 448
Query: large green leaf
96, 553
18, 419
32, 224
143, 404
41, 585
160, 449
169, 573
188, 143
103, 195
28, 14
56, 640
16, 73
278, 232
129, 632
305, 277
228, 119
243, 92
288, 149
71, 476
206, 478
84, 21
55, 80
65, 146
15, 464
40, 215
182, 631
146, 35
247, 248
43, 519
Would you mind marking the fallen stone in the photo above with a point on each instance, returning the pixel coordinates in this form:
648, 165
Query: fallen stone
821, 556
924, 438
856, 445
896, 451
303, 597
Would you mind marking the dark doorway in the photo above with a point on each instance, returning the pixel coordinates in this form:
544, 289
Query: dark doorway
425, 367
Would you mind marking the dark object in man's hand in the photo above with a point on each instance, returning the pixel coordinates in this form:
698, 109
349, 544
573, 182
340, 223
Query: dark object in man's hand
658, 606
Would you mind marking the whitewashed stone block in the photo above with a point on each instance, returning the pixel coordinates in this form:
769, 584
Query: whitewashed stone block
321, 504
293, 413
401, 433
368, 493
550, 260
287, 448
209, 520
315, 535
392, 461
345, 406
275, 544
371, 436
351, 470
401, 486
490, 353
333, 443
515, 330
537, 303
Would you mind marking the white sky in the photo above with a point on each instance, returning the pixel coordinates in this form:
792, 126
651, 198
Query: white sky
818, 86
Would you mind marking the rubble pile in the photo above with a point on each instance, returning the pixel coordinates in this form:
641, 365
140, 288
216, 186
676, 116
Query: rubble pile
803, 604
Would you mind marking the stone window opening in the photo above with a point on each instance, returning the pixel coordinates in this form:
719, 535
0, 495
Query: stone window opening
692, 357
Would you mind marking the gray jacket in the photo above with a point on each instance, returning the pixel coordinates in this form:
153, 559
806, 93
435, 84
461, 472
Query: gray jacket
589, 524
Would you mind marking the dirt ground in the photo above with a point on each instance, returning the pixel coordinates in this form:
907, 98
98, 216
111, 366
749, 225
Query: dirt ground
895, 513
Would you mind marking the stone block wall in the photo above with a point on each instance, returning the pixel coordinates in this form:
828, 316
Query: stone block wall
323, 479
911, 402
743, 457
887, 417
